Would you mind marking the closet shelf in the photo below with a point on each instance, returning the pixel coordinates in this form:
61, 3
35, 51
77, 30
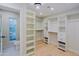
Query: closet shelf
36, 29
39, 29
30, 29
30, 23
30, 41
52, 32
30, 17
30, 35
31, 53
28, 48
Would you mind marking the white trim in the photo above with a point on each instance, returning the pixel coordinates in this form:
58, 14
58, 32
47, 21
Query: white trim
74, 51
1, 35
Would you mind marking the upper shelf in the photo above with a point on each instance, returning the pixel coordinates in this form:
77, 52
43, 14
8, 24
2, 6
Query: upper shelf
39, 29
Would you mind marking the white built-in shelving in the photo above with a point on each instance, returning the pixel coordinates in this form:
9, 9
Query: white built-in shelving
62, 23
57, 31
52, 25
30, 33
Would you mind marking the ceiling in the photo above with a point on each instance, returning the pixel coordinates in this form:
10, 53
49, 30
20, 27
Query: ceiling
58, 8
44, 10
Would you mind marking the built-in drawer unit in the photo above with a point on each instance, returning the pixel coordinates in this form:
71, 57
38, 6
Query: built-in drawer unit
61, 45
46, 40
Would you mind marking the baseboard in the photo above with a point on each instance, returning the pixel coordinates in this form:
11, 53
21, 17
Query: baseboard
53, 43
73, 51
38, 40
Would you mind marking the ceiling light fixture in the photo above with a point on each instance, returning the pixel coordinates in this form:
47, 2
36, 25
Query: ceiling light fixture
37, 5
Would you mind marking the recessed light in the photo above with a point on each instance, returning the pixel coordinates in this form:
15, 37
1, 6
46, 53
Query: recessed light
37, 5
40, 13
52, 9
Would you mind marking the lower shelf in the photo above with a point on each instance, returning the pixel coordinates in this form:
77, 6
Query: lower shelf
30, 54
30, 47
61, 45
30, 41
30, 50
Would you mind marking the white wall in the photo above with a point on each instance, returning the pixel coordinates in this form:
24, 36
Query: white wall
45, 25
39, 28
52, 31
73, 33
52, 25
39, 23
52, 39
39, 35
